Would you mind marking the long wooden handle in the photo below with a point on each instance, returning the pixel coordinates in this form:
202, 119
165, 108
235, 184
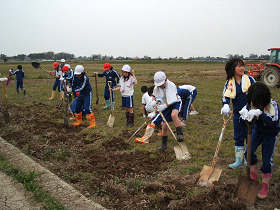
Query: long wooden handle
96, 92
145, 123
111, 97
249, 148
167, 125
214, 161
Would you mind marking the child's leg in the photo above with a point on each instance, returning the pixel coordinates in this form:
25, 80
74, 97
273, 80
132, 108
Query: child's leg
17, 87
240, 134
164, 138
268, 147
107, 98
130, 106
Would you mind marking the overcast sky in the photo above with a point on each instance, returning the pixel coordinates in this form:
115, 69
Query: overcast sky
155, 28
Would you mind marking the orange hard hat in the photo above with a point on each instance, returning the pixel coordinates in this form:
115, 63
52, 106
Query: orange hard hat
107, 66
65, 68
55, 65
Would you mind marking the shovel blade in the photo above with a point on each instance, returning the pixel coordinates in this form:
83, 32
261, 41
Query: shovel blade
181, 151
209, 175
247, 189
111, 121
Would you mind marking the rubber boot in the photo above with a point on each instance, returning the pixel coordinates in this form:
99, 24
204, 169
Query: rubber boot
148, 133
239, 154
262, 194
52, 96
79, 119
163, 144
127, 118
107, 104
180, 135
91, 119
113, 105
254, 172
130, 122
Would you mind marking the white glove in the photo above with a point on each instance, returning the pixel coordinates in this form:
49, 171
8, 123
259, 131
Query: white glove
144, 116
253, 113
151, 115
150, 106
244, 113
161, 107
225, 110
69, 89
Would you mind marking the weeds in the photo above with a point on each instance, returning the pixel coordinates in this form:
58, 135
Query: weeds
28, 180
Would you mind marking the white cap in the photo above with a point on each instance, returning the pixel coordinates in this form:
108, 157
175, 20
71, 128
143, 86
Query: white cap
68, 65
79, 69
159, 78
62, 60
126, 68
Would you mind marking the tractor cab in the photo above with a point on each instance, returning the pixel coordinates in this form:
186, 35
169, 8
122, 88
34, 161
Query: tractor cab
274, 56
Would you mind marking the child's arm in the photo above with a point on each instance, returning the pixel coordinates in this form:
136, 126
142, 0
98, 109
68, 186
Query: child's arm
144, 111
134, 77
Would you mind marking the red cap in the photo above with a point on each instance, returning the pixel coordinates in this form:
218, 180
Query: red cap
55, 65
107, 66
65, 68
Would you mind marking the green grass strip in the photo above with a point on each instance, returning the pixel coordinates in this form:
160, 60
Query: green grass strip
28, 180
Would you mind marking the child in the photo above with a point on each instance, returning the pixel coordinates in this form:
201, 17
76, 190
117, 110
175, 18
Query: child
236, 88
57, 83
112, 76
127, 82
146, 99
19, 77
193, 91
264, 131
83, 92
165, 92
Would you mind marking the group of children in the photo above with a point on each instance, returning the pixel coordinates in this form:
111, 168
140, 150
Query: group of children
251, 102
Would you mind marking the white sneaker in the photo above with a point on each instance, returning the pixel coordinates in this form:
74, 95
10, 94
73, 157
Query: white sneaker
193, 112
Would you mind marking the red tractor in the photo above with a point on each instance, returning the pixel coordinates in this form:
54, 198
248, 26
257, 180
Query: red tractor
269, 72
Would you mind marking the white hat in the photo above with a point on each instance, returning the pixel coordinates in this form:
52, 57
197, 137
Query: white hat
126, 68
79, 69
159, 78
62, 60
68, 65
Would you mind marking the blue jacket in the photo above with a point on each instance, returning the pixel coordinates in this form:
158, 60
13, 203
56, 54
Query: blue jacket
81, 85
241, 98
183, 93
266, 124
112, 76
69, 76
19, 74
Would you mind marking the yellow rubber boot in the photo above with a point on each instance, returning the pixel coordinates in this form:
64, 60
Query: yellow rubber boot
79, 119
52, 96
91, 119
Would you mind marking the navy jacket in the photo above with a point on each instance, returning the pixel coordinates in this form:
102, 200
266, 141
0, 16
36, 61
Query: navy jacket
112, 76
19, 74
81, 85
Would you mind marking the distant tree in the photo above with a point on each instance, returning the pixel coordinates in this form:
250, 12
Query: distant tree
253, 56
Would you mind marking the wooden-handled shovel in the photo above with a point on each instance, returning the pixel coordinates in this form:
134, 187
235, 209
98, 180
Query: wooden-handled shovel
111, 120
210, 174
181, 150
247, 188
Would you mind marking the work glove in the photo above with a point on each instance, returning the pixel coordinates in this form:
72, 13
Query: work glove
225, 110
253, 113
244, 113
161, 107
69, 89
77, 93
150, 106
151, 115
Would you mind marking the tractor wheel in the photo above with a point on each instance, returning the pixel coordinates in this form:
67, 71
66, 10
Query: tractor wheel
271, 76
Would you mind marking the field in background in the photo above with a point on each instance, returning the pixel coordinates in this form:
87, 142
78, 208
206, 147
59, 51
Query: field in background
105, 168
